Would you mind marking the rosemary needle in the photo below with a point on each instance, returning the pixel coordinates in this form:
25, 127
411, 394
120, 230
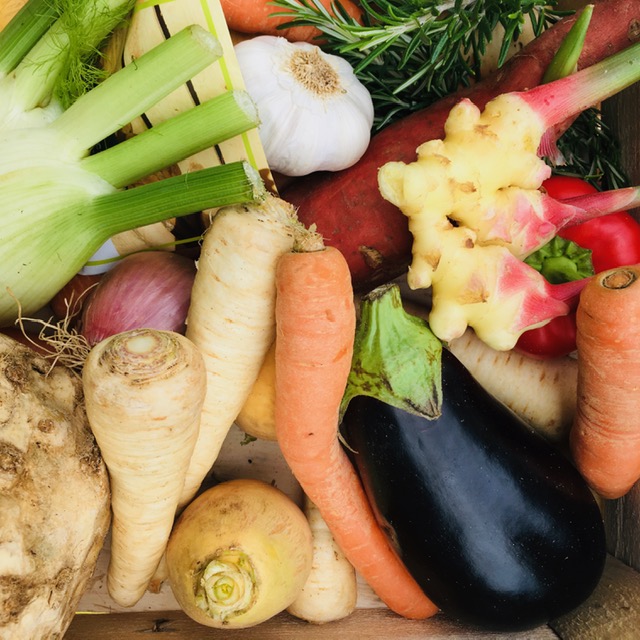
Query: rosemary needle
409, 53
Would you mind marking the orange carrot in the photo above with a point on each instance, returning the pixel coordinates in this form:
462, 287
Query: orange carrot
315, 319
605, 437
255, 16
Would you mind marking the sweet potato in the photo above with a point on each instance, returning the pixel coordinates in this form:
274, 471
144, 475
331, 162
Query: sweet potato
54, 495
347, 206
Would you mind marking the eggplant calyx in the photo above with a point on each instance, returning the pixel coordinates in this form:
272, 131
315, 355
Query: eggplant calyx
396, 357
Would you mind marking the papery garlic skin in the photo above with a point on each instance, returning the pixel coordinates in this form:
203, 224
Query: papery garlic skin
315, 114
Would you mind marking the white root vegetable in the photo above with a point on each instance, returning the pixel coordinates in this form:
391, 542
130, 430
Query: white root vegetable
54, 495
331, 590
232, 315
144, 390
239, 554
542, 392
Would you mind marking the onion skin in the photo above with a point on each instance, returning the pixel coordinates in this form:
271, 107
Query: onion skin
68, 302
151, 289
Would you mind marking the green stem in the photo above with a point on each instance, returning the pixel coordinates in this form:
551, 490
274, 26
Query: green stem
218, 186
561, 261
556, 101
60, 52
189, 132
23, 31
396, 356
566, 58
137, 87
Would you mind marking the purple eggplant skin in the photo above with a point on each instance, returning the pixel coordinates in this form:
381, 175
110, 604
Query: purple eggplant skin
496, 526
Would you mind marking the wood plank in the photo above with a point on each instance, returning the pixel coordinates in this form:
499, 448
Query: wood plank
8, 8
365, 624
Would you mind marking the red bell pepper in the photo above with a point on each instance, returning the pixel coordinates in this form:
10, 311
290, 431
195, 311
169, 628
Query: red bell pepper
614, 240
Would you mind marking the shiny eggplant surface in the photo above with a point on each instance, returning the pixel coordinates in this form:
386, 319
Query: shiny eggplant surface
496, 526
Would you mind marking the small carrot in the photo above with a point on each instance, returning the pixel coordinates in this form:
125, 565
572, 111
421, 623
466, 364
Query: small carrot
605, 437
315, 320
256, 17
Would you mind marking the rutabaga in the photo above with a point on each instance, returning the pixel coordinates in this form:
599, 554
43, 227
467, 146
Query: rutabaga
59, 203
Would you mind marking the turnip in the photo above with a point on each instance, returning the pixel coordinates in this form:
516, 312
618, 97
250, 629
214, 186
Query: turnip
54, 495
144, 390
256, 417
239, 554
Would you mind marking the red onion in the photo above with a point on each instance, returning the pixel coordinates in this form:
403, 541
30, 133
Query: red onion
68, 302
149, 290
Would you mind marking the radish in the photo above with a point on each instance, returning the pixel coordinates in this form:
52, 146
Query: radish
144, 390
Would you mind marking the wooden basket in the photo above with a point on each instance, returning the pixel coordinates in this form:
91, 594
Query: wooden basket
612, 612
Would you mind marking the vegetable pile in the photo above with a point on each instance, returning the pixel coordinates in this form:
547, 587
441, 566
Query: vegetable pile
59, 201
288, 304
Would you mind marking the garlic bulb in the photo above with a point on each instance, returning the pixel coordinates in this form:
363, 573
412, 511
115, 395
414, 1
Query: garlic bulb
315, 114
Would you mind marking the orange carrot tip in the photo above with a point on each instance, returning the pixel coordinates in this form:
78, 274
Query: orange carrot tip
605, 437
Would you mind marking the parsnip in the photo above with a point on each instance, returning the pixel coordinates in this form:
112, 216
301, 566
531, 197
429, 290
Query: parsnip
331, 590
144, 390
232, 315
239, 554
542, 392
54, 495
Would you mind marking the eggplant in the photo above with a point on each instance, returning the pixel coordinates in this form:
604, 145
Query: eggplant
494, 523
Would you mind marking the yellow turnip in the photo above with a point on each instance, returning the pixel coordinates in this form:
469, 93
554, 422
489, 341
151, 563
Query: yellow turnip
239, 554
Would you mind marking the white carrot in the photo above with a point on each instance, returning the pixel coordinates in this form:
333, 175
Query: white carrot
232, 315
144, 390
331, 590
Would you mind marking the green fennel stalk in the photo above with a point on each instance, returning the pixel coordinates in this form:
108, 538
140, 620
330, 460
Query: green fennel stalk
59, 202
48, 55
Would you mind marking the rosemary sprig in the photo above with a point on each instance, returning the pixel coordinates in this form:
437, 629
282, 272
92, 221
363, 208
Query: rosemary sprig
409, 53
591, 151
